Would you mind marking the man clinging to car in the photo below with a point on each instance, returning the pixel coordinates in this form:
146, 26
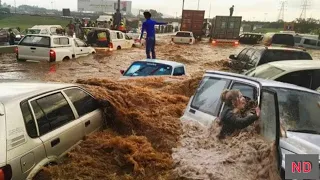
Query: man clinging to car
148, 26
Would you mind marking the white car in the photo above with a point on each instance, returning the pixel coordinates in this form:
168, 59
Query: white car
136, 39
154, 67
120, 40
183, 37
307, 42
40, 123
44, 29
299, 72
51, 48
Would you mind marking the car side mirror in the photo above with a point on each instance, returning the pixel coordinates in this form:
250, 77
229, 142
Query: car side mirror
232, 57
122, 72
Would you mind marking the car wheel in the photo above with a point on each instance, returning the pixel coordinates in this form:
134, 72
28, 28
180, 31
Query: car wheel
42, 175
93, 52
65, 58
119, 47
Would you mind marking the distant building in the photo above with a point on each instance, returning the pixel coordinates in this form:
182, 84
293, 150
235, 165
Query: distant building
107, 6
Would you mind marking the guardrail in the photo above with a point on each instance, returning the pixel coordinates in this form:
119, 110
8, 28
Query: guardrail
7, 49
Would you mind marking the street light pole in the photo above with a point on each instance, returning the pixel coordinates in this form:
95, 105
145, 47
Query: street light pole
182, 14
198, 4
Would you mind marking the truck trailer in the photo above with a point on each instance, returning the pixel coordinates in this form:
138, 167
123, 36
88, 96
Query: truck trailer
225, 30
192, 20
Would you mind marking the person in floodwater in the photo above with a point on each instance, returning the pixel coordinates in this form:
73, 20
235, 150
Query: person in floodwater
230, 118
148, 26
12, 37
231, 10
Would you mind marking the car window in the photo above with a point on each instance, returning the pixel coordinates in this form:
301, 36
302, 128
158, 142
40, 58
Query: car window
286, 39
127, 37
297, 39
207, 97
178, 71
28, 120
300, 78
61, 41
38, 41
148, 69
79, 43
53, 30
82, 101
248, 55
315, 77
119, 35
311, 42
52, 112
268, 116
44, 31
246, 90
242, 54
276, 55
299, 110
183, 34
256, 57
265, 71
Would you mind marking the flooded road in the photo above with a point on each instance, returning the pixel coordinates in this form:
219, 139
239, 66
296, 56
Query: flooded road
199, 57
108, 64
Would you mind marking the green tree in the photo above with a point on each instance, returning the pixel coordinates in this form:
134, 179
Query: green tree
155, 13
307, 25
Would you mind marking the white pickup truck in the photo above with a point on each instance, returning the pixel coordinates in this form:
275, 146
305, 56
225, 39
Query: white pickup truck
183, 37
51, 48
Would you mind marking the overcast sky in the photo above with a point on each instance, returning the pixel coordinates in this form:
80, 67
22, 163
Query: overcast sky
249, 9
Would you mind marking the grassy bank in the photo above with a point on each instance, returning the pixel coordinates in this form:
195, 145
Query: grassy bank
27, 21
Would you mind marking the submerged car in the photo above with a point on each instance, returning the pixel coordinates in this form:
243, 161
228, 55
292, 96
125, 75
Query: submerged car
154, 67
301, 73
40, 123
255, 56
289, 113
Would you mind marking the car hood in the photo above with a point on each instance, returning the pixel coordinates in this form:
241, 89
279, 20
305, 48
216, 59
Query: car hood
301, 143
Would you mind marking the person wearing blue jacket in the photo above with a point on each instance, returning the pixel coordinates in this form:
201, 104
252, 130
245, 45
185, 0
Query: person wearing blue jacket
148, 26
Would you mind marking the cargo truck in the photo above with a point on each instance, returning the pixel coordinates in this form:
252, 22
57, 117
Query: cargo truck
225, 30
192, 20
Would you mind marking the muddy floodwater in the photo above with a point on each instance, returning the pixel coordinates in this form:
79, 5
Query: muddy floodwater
197, 57
108, 64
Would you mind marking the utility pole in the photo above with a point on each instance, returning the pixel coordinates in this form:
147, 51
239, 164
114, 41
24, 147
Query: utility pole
209, 10
282, 9
15, 7
198, 4
265, 17
182, 14
305, 5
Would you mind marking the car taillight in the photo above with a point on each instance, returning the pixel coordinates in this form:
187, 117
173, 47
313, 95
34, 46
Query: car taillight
5, 173
52, 54
214, 42
111, 46
236, 43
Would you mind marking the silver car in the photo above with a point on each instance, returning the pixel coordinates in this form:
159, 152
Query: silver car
289, 113
41, 122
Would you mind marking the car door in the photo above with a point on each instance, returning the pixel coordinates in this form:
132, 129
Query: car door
87, 109
83, 46
302, 78
57, 125
34, 47
129, 42
79, 48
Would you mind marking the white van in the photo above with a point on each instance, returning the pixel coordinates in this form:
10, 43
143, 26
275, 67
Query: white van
44, 29
120, 40
307, 42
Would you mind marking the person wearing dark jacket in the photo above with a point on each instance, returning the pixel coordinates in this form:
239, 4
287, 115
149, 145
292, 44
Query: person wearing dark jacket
230, 118
12, 37
231, 10
148, 26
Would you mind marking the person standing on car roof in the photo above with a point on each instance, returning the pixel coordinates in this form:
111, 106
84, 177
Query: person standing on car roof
148, 26
230, 117
231, 10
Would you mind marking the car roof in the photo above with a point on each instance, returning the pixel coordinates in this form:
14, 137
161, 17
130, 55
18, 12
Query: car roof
263, 82
20, 90
278, 48
49, 35
296, 65
184, 31
166, 62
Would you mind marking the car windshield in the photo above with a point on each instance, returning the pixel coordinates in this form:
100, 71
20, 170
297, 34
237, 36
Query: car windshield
299, 110
148, 69
33, 31
183, 34
266, 71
